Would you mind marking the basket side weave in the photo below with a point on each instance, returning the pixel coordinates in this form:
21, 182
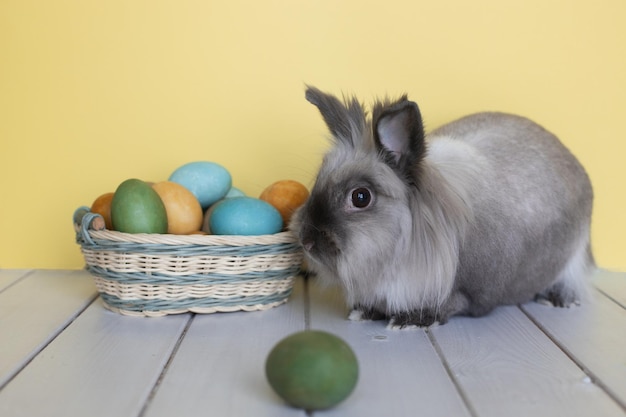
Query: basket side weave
154, 275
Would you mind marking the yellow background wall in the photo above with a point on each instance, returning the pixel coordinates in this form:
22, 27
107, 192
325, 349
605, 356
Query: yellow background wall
95, 92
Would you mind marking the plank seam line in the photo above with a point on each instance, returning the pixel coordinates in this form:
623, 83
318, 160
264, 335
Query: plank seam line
166, 367
607, 295
20, 279
446, 366
306, 293
594, 378
307, 301
53, 337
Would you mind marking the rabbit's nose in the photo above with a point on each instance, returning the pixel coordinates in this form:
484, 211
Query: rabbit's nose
308, 245
308, 237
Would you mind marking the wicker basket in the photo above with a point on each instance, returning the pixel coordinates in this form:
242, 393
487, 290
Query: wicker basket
159, 274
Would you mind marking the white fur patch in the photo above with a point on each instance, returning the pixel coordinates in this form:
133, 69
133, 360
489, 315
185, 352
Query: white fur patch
575, 276
459, 163
356, 315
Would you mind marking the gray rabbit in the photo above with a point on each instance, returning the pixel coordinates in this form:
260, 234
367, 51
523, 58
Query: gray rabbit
488, 210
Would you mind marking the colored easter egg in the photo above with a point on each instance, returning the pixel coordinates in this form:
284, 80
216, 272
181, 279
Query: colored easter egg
234, 192
102, 206
137, 208
184, 214
312, 369
208, 181
244, 216
286, 196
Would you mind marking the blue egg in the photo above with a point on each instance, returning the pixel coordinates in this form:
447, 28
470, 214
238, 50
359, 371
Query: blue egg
245, 216
235, 192
208, 181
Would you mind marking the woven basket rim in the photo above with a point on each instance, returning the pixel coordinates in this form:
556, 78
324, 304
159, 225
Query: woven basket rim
200, 240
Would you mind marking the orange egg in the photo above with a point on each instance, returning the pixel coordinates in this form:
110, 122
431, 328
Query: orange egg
286, 196
102, 206
184, 214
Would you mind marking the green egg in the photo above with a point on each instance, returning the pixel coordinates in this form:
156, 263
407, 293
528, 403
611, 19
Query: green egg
312, 370
137, 208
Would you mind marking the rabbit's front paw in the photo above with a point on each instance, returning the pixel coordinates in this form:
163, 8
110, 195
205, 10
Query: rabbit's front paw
414, 319
360, 313
558, 296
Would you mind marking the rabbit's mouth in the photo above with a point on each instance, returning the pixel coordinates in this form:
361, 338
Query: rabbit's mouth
320, 245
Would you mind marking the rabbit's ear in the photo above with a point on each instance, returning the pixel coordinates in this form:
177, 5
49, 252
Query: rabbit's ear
399, 132
345, 121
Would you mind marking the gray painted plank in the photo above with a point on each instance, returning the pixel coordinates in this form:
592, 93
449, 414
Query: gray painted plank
219, 368
594, 335
9, 276
400, 373
506, 366
103, 364
613, 284
34, 310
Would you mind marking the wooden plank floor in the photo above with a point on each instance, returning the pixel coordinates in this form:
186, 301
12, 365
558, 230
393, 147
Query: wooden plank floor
63, 354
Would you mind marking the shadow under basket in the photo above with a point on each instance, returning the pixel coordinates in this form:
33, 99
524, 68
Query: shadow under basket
158, 274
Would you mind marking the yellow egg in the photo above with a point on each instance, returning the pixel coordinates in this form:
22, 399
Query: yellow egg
184, 213
286, 196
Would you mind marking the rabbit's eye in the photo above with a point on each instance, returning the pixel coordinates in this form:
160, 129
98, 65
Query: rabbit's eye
361, 197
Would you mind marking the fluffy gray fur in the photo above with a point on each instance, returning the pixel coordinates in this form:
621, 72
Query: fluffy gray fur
488, 210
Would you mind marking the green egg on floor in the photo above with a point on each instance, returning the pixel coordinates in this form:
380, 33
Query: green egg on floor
312, 370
